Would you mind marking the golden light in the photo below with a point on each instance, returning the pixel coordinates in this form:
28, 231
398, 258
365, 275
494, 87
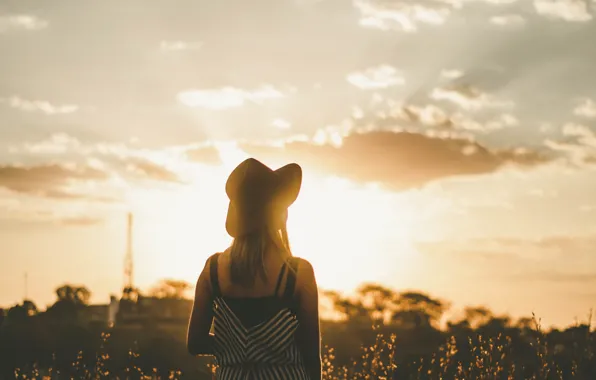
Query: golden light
339, 226
230, 154
335, 223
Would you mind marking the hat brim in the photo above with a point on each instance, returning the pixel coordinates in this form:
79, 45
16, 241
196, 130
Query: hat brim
280, 188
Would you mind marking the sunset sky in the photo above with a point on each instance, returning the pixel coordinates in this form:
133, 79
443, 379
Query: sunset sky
447, 145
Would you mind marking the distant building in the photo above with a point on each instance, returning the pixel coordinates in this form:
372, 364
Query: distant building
113, 310
94, 315
160, 312
100, 314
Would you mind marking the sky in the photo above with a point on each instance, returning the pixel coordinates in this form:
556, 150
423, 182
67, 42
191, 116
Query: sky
448, 146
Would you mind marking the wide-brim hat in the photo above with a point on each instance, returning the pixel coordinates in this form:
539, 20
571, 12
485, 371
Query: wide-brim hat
260, 196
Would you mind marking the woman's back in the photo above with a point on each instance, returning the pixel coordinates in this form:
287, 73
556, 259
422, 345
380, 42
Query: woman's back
255, 328
261, 301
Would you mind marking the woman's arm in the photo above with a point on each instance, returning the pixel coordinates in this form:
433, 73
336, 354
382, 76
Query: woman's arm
199, 341
309, 336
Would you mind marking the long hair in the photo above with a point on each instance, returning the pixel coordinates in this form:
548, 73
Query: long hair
247, 254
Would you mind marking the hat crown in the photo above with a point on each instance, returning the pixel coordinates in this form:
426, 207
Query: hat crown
257, 194
249, 178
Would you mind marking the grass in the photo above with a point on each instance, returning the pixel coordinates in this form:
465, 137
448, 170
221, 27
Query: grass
478, 358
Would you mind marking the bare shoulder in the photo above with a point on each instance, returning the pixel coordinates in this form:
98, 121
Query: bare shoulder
303, 265
208, 262
204, 279
305, 274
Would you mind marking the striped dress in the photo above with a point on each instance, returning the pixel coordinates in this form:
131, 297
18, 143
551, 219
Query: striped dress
255, 337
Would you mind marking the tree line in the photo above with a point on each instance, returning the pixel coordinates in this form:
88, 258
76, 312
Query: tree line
379, 332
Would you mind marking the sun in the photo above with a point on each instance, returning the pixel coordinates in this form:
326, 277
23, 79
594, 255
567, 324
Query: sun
341, 228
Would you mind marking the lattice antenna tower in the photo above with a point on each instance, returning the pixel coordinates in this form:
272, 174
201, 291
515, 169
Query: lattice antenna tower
26, 288
128, 259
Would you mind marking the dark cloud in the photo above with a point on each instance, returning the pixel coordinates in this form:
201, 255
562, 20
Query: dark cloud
399, 160
50, 180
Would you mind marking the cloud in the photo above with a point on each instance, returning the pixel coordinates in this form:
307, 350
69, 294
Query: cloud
147, 169
281, 124
21, 22
80, 221
579, 277
551, 245
578, 130
173, 46
111, 159
49, 180
47, 214
461, 3
407, 15
433, 116
586, 108
227, 97
563, 244
554, 258
451, 73
58, 143
373, 78
204, 154
38, 106
508, 20
467, 97
402, 15
398, 160
579, 143
567, 10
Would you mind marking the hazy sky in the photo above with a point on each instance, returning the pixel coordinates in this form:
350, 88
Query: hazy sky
448, 145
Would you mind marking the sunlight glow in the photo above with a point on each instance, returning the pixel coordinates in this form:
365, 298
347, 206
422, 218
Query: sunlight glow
227, 97
230, 154
334, 221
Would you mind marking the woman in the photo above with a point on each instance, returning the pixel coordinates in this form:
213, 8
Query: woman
263, 302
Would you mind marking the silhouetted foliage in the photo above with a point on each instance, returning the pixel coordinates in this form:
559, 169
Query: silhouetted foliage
169, 288
383, 334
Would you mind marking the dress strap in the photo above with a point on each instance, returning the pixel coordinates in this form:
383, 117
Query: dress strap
291, 281
282, 271
214, 275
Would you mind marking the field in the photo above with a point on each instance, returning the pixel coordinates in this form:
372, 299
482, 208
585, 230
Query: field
479, 346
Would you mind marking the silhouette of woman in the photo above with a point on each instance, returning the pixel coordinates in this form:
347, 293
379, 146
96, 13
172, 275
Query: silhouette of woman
262, 301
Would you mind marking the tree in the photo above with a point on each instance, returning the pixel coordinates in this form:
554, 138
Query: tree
169, 288
30, 308
418, 309
20, 312
78, 295
477, 315
380, 301
130, 293
353, 309
70, 298
377, 303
